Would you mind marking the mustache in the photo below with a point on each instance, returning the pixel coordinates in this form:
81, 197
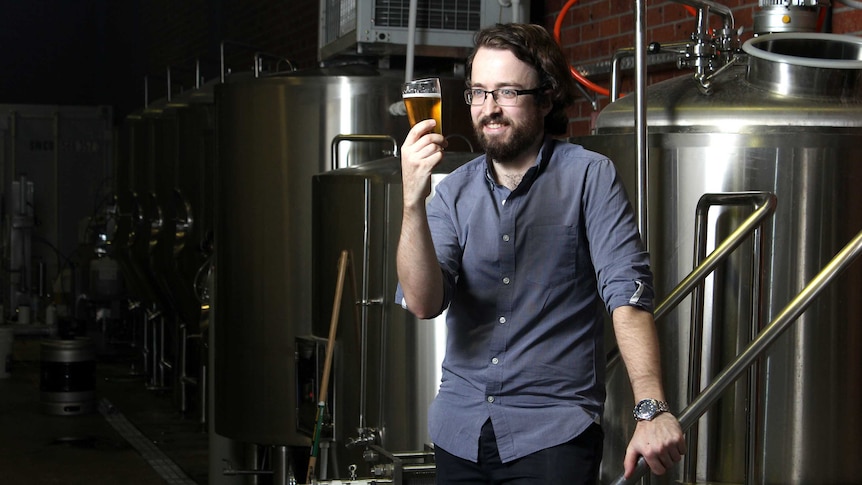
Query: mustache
493, 118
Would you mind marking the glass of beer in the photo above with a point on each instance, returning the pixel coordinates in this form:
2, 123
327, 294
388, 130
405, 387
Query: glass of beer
423, 101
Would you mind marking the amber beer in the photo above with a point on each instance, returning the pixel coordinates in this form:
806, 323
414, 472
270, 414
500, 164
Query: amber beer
422, 100
423, 106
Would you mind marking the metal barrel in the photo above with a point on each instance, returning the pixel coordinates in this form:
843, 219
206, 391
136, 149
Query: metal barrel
68, 376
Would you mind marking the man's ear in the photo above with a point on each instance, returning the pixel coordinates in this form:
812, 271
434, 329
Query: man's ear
545, 103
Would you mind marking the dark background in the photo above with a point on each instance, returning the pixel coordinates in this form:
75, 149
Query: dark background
98, 52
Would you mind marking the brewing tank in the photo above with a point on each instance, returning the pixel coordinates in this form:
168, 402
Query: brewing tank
786, 121
138, 217
388, 364
274, 134
185, 157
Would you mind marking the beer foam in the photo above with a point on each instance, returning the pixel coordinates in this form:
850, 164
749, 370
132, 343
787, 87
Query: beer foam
422, 95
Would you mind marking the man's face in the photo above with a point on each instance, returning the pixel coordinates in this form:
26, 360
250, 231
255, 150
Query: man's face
506, 132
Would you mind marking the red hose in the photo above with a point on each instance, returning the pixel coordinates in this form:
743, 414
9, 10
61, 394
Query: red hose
558, 24
578, 76
821, 18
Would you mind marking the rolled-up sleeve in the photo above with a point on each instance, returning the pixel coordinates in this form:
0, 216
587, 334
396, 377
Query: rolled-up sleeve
622, 265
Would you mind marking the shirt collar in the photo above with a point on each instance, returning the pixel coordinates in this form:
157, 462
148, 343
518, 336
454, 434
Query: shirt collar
542, 161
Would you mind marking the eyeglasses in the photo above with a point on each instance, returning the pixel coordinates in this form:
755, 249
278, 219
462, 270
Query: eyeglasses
502, 96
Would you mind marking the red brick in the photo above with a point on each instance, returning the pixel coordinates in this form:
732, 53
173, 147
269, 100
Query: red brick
847, 21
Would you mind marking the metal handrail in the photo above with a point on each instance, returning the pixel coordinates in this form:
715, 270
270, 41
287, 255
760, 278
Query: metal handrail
760, 344
337, 139
765, 200
767, 203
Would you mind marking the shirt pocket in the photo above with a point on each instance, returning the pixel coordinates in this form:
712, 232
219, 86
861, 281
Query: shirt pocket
550, 255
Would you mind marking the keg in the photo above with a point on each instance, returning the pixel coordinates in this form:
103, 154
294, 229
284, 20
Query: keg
68, 376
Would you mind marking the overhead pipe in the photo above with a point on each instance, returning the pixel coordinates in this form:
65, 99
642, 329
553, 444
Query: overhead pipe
516, 11
411, 41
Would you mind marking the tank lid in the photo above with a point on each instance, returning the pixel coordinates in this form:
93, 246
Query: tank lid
806, 64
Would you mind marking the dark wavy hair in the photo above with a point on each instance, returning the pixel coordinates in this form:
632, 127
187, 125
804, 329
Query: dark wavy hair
533, 45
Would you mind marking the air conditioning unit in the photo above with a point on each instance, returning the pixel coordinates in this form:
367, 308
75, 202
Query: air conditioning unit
444, 28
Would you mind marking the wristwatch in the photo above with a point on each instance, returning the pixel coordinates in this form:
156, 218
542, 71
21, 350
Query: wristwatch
648, 409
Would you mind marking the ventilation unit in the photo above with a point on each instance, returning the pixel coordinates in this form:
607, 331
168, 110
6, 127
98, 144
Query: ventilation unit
444, 28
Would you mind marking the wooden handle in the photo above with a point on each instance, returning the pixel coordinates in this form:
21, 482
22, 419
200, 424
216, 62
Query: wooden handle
327, 363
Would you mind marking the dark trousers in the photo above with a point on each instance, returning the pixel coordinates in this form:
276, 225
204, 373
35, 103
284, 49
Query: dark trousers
572, 463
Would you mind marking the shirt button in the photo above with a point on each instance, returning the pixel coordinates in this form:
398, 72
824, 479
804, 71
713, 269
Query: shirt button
495, 361
502, 320
490, 399
506, 280
505, 237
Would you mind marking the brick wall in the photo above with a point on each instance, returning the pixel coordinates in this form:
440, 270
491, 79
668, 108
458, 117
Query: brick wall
592, 30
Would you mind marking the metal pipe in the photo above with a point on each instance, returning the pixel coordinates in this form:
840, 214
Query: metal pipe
145, 339
758, 346
754, 328
615, 70
363, 341
168, 83
642, 149
182, 380
722, 10
411, 41
259, 58
280, 465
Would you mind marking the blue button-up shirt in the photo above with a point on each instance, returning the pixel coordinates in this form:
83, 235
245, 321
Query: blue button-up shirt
524, 273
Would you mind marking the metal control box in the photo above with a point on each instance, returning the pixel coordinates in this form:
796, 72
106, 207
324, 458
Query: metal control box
444, 28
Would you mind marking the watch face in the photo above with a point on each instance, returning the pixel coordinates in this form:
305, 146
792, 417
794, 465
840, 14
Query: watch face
647, 409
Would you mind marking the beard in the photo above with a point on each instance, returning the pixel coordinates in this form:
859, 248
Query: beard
504, 149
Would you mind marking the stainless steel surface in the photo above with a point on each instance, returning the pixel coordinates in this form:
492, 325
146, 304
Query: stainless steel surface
389, 365
274, 135
762, 342
805, 151
806, 64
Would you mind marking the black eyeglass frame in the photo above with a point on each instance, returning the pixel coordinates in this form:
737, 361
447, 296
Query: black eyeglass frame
468, 95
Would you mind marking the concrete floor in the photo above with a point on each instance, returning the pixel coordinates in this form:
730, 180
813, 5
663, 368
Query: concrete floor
134, 436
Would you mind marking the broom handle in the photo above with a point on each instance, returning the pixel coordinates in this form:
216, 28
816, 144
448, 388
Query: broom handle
327, 364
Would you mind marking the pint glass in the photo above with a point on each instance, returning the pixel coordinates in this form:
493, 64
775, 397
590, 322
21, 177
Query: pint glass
423, 101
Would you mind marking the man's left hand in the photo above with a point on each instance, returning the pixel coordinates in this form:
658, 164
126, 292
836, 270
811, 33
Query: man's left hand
659, 441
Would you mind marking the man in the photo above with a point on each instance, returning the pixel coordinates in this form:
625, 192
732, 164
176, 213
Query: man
520, 244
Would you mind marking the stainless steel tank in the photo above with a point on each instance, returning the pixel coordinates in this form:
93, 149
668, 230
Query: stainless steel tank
184, 147
193, 200
137, 217
387, 370
274, 134
788, 121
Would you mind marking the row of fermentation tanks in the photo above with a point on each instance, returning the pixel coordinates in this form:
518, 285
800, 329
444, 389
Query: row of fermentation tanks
236, 200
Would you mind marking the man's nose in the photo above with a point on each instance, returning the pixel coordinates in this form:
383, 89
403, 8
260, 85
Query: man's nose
489, 104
